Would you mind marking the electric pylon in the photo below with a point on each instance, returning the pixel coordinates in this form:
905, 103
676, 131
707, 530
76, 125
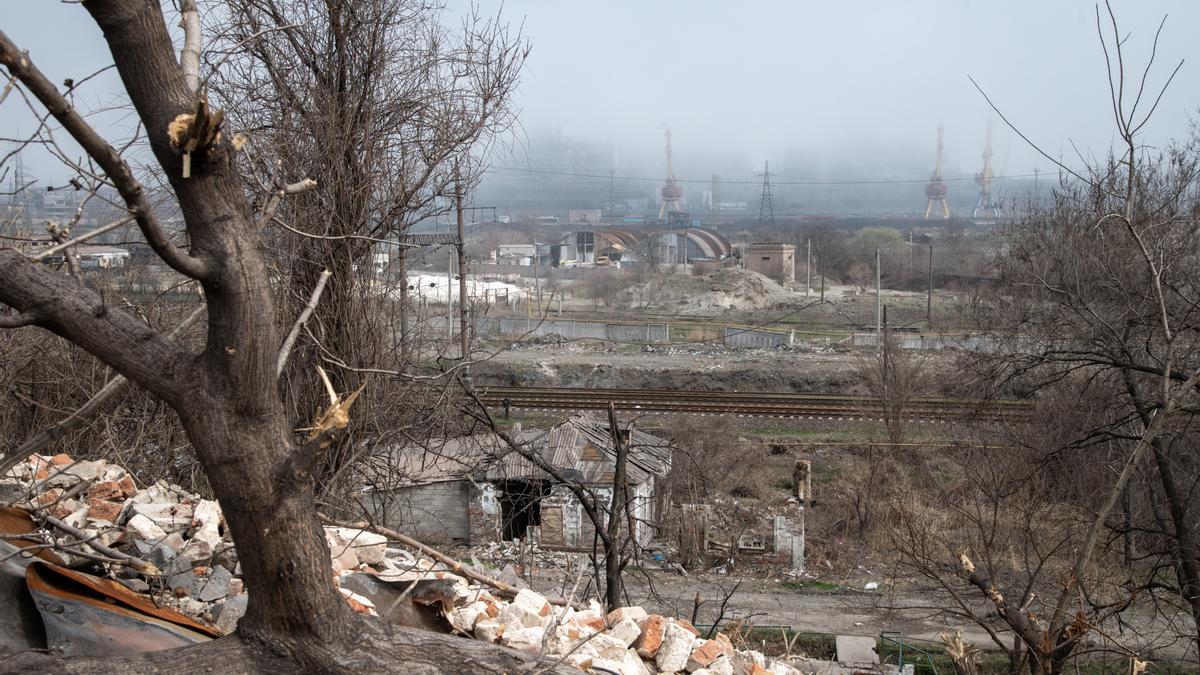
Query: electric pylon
766, 210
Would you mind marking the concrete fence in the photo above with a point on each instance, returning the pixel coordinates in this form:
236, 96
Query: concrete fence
636, 332
933, 341
738, 336
640, 333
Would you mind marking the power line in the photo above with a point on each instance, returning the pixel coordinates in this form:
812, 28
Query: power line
881, 181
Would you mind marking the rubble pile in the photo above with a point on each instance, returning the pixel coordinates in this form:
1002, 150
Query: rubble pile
178, 550
625, 641
176, 542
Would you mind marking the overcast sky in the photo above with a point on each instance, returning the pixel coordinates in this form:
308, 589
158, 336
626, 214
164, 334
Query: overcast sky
843, 80
855, 87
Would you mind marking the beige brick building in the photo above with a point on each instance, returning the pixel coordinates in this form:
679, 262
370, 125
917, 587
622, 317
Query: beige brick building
776, 261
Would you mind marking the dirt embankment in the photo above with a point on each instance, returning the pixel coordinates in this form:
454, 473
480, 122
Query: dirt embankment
783, 371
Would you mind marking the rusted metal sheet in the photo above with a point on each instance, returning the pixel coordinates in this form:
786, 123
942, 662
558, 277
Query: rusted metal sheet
87, 615
15, 520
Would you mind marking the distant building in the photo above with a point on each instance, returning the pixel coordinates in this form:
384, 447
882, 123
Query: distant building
773, 260
104, 257
587, 216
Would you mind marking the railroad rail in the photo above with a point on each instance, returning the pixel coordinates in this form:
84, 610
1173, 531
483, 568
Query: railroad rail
753, 404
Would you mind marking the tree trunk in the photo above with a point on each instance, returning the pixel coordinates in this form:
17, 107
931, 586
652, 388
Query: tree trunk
1183, 547
271, 515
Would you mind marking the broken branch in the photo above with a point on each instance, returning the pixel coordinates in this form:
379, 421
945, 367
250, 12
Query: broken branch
107, 551
189, 56
455, 566
286, 350
83, 237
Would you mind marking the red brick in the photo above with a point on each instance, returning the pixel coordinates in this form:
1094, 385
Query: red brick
128, 487
103, 510
726, 644
705, 654
47, 498
106, 490
688, 625
60, 459
651, 638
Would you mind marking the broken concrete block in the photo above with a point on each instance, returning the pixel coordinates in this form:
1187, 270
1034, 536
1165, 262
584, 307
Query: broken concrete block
47, 498
688, 625
726, 644
627, 631
704, 654
104, 490
167, 515
342, 555
632, 664
78, 518
648, 643
722, 665
621, 613
226, 614
141, 527
463, 619
675, 649
746, 661
489, 630
370, 548
206, 516
527, 639
68, 475
126, 486
214, 586
528, 609
602, 665
606, 646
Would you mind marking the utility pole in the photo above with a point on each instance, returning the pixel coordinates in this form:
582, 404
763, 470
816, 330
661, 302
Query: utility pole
878, 302
612, 202
929, 296
808, 270
822, 271
462, 273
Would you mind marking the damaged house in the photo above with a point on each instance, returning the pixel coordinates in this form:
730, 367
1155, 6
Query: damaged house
477, 489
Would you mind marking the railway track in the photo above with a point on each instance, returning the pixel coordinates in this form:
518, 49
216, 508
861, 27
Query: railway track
753, 404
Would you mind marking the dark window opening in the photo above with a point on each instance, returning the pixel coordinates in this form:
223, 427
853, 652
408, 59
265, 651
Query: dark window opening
520, 507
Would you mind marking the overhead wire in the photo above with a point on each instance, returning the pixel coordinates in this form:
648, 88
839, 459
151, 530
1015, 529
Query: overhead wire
869, 181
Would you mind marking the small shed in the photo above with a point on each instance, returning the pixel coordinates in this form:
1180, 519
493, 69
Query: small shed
477, 489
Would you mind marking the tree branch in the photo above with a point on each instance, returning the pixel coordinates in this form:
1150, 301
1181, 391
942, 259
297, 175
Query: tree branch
286, 350
189, 56
106, 156
69, 309
85, 412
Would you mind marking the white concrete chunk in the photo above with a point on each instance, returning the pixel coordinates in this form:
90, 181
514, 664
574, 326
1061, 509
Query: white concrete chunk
676, 648
142, 528
626, 631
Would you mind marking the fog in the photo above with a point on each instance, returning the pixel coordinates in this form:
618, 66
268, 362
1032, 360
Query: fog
850, 89
823, 90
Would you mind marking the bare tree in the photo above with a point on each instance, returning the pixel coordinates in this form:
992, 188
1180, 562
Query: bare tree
392, 113
225, 395
1101, 284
